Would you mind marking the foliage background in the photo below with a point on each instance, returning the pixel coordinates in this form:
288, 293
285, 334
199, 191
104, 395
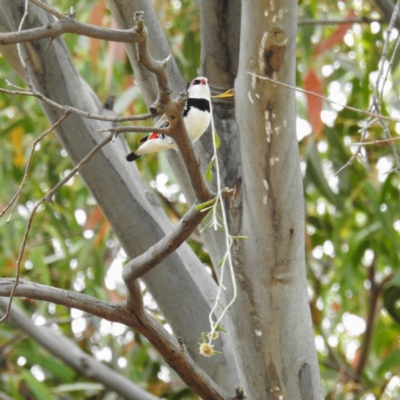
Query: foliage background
353, 220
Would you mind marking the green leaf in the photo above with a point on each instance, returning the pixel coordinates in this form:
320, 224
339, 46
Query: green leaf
217, 140
209, 171
239, 237
219, 328
202, 206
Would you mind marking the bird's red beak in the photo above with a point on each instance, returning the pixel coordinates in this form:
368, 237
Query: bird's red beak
203, 82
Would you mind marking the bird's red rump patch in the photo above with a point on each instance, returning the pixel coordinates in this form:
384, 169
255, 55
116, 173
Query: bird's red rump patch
153, 136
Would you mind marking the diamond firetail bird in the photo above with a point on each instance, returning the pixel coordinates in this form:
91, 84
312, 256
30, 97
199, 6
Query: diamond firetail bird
196, 115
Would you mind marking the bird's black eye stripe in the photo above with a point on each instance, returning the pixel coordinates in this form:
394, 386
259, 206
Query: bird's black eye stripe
196, 82
161, 136
165, 125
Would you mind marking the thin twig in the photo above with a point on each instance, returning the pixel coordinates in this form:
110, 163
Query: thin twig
15, 198
48, 198
377, 100
297, 89
339, 21
135, 129
378, 95
65, 108
374, 142
47, 8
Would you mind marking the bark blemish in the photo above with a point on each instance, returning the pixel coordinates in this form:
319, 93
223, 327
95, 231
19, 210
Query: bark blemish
268, 113
272, 51
265, 197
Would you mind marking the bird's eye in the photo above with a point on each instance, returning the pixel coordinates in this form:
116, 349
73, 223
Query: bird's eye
197, 82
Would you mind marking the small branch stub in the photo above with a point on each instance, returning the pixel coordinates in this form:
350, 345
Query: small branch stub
239, 393
182, 98
138, 17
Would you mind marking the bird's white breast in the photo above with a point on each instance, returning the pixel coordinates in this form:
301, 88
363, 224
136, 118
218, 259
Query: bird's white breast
196, 123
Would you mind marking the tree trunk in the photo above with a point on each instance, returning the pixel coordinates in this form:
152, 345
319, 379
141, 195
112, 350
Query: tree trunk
271, 320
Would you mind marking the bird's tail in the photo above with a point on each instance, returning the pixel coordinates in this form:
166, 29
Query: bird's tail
131, 157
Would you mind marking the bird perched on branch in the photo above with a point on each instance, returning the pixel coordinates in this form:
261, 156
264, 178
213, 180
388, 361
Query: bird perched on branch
196, 115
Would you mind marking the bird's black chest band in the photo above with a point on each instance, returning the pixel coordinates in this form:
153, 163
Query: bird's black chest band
200, 104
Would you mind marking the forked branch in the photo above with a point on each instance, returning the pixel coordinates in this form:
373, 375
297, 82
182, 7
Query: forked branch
67, 24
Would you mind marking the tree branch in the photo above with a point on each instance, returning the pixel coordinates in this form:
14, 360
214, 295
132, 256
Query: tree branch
172, 350
66, 298
139, 266
67, 24
70, 109
135, 129
152, 65
297, 89
71, 354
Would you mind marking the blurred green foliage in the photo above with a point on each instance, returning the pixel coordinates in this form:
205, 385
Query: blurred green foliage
353, 220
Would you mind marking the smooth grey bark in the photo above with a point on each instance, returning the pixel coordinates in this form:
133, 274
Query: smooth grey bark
71, 354
180, 282
272, 324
